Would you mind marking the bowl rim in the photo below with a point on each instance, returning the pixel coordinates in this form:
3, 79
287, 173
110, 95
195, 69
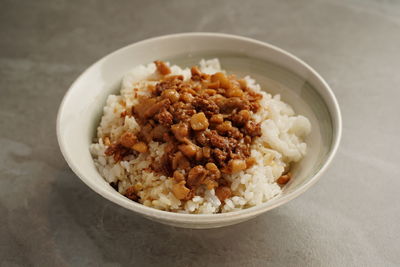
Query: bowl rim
218, 217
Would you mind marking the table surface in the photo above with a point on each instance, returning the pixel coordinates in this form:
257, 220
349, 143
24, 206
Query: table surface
50, 218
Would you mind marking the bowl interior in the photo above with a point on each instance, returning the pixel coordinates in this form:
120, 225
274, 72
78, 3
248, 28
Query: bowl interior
274, 70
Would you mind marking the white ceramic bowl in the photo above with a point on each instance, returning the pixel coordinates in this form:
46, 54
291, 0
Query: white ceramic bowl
276, 70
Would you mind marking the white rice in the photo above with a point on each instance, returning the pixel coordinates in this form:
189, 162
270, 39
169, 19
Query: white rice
281, 143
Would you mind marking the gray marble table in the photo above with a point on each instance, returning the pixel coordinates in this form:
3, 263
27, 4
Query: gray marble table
48, 217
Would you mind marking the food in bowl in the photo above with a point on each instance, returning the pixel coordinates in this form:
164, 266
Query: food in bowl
197, 140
